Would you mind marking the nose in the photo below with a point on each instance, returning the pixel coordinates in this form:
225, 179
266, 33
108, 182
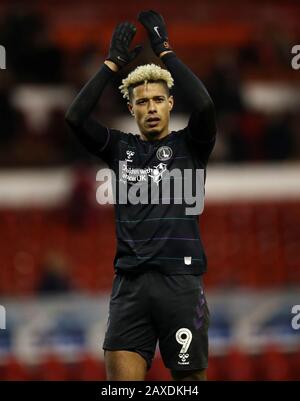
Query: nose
151, 106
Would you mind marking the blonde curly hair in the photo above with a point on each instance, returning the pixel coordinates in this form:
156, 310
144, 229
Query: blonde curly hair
145, 73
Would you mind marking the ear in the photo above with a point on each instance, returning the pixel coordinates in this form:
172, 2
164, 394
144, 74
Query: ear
130, 108
171, 102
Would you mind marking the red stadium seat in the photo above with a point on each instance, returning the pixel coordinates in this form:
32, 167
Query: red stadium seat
257, 246
239, 365
53, 369
91, 369
213, 371
275, 364
294, 359
14, 370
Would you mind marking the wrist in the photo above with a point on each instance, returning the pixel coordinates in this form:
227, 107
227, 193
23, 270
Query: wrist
161, 47
165, 52
111, 65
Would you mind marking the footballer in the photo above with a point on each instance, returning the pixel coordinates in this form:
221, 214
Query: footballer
157, 294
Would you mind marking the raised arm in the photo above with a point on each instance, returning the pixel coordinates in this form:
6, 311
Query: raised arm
202, 123
89, 132
92, 134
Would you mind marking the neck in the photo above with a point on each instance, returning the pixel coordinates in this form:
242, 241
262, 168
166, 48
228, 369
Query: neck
150, 138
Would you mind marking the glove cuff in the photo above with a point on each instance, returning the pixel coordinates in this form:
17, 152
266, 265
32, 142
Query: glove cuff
161, 47
168, 56
118, 62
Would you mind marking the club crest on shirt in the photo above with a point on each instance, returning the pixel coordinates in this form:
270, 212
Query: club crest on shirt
164, 153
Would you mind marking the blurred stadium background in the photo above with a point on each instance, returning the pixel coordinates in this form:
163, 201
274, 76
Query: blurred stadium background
57, 244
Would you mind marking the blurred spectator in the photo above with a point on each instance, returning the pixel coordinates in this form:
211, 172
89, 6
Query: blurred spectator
30, 54
236, 146
252, 125
56, 136
268, 51
8, 118
279, 140
243, 134
248, 56
274, 45
225, 86
80, 203
55, 277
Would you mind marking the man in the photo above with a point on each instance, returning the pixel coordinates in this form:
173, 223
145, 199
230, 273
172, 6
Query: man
157, 293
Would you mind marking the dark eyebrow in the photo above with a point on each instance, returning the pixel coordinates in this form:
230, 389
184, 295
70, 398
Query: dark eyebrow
146, 98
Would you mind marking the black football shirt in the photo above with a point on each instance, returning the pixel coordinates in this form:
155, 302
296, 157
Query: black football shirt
157, 232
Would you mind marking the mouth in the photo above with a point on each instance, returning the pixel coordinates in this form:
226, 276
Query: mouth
152, 121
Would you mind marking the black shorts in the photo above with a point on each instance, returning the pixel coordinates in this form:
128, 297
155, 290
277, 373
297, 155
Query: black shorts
149, 307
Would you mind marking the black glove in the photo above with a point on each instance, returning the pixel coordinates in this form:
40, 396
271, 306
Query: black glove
119, 46
157, 31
